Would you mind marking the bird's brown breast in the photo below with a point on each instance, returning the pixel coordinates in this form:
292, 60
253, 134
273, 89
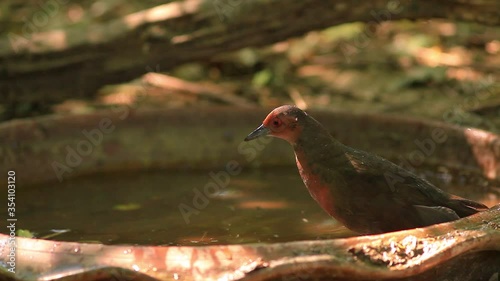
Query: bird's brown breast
317, 187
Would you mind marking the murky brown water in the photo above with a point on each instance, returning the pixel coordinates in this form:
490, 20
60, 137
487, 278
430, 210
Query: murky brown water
144, 208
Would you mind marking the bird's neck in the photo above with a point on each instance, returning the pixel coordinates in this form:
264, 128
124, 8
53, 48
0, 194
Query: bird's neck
315, 144
316, 151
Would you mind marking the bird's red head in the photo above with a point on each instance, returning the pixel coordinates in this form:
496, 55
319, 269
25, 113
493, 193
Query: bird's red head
283, 122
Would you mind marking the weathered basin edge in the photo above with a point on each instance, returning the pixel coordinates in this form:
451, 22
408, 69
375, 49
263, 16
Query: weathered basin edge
475, 239
44, 148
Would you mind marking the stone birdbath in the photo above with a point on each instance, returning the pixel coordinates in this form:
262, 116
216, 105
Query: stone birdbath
204, 138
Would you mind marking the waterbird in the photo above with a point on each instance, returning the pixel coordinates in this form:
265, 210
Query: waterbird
365, 192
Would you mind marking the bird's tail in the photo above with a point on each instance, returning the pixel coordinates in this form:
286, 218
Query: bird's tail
465, 207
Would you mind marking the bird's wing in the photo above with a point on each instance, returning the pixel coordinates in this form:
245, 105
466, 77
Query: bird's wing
406, 187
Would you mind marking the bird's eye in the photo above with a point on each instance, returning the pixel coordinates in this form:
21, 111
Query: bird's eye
277, 122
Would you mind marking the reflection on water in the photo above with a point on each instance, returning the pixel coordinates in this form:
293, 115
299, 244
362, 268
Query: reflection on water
143, 208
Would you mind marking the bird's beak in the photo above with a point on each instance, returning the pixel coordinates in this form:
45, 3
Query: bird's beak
259, 132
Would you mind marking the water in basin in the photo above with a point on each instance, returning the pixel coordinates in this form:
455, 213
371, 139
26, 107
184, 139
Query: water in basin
171, 208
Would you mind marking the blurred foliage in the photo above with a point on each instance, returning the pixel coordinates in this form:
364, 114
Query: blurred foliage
127, 207
16, 14
436, 69
25, 233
